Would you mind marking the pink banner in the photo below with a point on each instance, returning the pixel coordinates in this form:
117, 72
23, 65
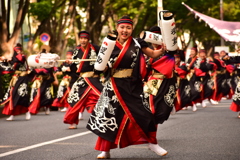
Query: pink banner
229, 31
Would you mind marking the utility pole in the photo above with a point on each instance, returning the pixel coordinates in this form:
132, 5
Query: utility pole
221, 17
160, 8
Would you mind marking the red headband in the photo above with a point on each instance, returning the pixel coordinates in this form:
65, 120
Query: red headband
127, 21
84, 35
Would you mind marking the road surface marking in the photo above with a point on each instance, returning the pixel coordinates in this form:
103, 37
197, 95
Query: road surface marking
43, 144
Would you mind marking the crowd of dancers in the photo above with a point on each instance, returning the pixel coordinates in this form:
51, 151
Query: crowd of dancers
131, 96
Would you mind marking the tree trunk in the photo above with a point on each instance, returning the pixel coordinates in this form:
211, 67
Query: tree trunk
8, 42
44, 25
58, 42
95, 21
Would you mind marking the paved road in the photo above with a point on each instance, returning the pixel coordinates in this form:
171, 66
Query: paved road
211, 133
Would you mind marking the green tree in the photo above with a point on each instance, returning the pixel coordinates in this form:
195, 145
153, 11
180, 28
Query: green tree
54, 18
198, 30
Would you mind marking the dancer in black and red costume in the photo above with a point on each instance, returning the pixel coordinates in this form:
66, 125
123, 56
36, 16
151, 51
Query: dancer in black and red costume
5, 69
219, 79
68, 68
16, 100
42, 90
122, 116
194, 77
235, 105
183, 89
87, 88
161, 84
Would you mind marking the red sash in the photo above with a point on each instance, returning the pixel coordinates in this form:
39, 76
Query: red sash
164, 65
193, 60
118, 94
84, 55
230, 68
122, 52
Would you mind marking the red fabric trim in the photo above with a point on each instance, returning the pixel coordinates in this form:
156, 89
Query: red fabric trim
230, 68
150, 60
121, 128
19, 57
125, 20
65, 95
181, 73
202, 92
129, 136
151, 103
63, 101
221, 62
56, 103
88, 100
231, 93
122, 53
125, 108
214, 66
92, 86
7, 72
234, 107
178, 101
119, 45
17, 110
126, 23
35, 105
71, 115
84, 35
160, 66
143, 68
216, 97
11, 99
193, 60
104, 145
7, 101
84, 57
199, 72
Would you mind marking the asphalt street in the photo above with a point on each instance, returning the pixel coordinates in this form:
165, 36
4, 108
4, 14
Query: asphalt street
211, 133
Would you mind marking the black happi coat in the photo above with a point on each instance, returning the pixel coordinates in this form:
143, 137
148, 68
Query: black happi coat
69, 77
195, 80
222, 86
183, 91
19, 62
72, 73
18, 90
5, 68
122, 99
163, 102
235, 106
207, 81
236, 96
83, 84
235, 77
20, 93
42, 96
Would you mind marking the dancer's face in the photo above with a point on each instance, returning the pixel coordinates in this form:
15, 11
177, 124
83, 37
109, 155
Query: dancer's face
83, 42
193, 53
202, 55
222, 53
177, 60
124, 31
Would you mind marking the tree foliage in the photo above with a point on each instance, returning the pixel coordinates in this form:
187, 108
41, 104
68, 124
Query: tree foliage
55, 18
62, 19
